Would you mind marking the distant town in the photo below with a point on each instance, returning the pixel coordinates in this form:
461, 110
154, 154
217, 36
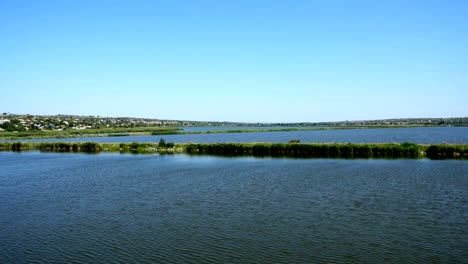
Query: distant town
14, 122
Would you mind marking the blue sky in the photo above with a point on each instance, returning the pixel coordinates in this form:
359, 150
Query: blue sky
255, 61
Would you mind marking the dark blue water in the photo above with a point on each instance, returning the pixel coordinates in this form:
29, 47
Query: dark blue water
106, 208
221, 128
421, 135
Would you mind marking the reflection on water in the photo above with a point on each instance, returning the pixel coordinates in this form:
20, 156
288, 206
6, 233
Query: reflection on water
182, 209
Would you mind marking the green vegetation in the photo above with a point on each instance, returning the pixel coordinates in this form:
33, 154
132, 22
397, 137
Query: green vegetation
325, 150
162, 143
334, 150
119, 132
166, 132
90, 147
16, 146
14, 122
133, 131
119, 135
71, 133
447, 151
14, 126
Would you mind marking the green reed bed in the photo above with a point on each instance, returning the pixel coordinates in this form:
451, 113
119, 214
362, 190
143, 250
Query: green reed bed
444, 151
70, 147
329, 150
16, 146
300, 150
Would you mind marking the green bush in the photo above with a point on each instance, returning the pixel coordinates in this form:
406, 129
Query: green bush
162, 142
90, 147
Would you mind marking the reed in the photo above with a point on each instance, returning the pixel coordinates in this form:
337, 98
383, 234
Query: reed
447, 151
16, 146
89, 147
299, 150
330, 150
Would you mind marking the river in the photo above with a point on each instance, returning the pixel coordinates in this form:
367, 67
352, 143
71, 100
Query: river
104, 208
420, 135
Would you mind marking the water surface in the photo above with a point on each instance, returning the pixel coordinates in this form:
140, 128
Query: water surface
421, 135
181, 209
224, 128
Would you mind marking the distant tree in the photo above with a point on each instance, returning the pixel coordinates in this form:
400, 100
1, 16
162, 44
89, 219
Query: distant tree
13, 125
162, 142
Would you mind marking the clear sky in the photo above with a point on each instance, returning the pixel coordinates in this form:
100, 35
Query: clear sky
255, 61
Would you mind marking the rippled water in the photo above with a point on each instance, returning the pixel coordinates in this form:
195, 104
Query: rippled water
421, 135
181, 209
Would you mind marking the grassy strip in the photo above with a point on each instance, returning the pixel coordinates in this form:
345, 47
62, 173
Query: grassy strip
290, 129
90, 147
325, 150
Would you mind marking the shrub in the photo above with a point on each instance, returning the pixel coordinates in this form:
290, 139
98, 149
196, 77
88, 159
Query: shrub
134, 146
162, 142
16, 146
90, 147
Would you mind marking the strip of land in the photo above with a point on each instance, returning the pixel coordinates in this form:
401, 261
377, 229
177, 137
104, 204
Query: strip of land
13, 126
296, 150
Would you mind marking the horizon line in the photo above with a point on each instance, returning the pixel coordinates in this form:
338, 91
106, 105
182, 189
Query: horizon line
240, 122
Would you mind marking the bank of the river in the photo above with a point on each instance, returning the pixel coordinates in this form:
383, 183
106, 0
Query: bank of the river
304, 150
78, 133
